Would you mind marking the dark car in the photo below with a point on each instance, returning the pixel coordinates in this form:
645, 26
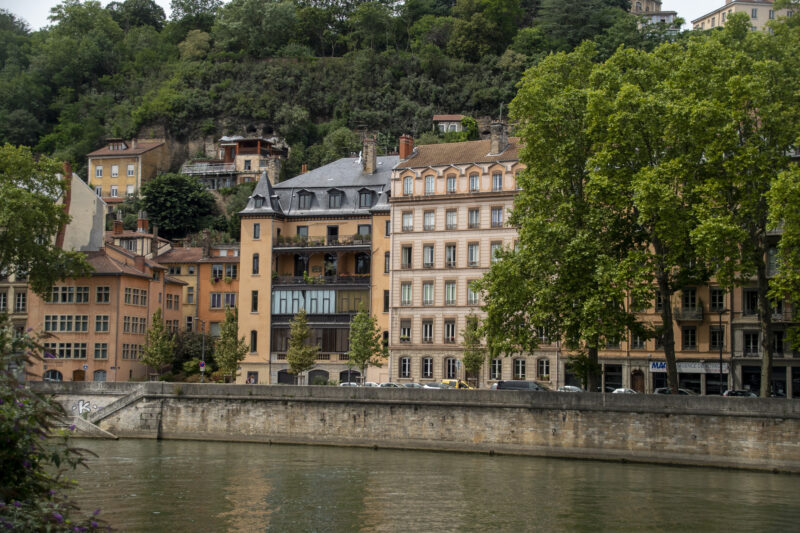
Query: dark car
518, 384
667, 390
740, 393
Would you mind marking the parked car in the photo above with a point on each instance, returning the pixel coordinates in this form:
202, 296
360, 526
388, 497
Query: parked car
435, 385
348, 384
370, 384
457, 383
569, 388
667, 390
413, 386
519, 384
741, 393
623, 390
391, 385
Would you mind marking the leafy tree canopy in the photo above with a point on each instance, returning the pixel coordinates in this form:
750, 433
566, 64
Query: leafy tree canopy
179, 204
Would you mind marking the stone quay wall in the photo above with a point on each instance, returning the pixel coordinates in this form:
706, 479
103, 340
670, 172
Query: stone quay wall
750, 433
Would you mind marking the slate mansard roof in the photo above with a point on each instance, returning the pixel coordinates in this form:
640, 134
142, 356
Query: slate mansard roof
343, 177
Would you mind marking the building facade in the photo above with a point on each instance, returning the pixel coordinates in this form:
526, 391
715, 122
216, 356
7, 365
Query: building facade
240, 160
316, 242
121, 168
760, 12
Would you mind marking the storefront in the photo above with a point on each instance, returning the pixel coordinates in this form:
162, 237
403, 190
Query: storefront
701, 377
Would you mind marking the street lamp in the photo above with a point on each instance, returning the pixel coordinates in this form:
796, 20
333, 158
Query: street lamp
721, 344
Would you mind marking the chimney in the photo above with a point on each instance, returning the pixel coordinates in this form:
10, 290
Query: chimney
138, 260
206, 243
118, 227
369, 155
499, 141
133, 143
141, 222
304, 168
406, 146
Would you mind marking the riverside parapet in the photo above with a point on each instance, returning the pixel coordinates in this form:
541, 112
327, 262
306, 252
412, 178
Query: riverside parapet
752, 433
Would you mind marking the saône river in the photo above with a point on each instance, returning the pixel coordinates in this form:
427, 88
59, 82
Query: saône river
177, 486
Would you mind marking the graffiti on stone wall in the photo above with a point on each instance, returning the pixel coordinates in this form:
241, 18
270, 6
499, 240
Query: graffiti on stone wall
82, 408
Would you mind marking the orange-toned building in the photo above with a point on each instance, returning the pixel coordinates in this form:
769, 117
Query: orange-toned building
240, 160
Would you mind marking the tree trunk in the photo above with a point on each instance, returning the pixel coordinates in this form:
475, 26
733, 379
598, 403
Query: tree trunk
765, 325
669, 333
593, 377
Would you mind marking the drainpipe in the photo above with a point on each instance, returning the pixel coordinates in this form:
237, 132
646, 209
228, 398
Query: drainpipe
116, 328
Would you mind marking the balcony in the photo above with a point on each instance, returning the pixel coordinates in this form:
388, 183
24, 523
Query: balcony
342, 279
316, 319
304, 242
688, 314
207, 168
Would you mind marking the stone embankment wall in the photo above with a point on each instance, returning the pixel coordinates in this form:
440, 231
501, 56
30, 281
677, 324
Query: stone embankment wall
714, 431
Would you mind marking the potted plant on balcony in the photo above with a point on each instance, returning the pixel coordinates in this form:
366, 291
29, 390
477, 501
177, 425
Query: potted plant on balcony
228, 279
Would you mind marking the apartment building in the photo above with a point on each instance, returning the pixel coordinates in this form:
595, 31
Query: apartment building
122, 167
759, 11
240, 160
320, 242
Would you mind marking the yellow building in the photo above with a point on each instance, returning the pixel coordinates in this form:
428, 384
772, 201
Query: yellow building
319, 241
240, 160
121, 168
760, 12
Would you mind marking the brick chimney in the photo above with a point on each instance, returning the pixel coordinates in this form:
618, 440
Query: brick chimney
142, 223
369, 155
304, 168
118, 227
138, 260
499, 141
406, 146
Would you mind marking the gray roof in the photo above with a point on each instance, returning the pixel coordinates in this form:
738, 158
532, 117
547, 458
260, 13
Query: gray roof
340, 177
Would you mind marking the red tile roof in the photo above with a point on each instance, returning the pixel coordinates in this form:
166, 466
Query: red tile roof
181, 255
431, 155
441, 118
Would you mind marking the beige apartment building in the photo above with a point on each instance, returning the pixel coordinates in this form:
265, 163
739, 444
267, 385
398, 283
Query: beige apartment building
759, 11
122, 167
449, 211
239, 160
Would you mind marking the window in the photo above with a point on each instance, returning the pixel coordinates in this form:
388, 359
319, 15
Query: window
428, 221
689, 337
427, 293
231, 270
101, 323
543, 369
254, 301
723, 16
255, 263
408, 186
130, 170
190, 295
496, 369
750, 301
388, 230
79, 350
497, 181
385, 301
659, 302
189, 323
497, 217
304, 200
405, 331
427, 367
637, 342
334, 200
474, 183
365, 199
427, 256
427, 331
451, 184
451, 219
20, 302
772, 260
495, 249
450, 292
253, 341
65, 323
386, 262
51, 322
114, 191
405, 257
450, 255
472, 254
101, 350
472, 294
191, 269
216, 300
247, 164
519, 369
754, 13
230, 299
98, 172
405, 293
449, 331
450, 368
3, 301
129, 190
429, 184
81, 295
717, 299
174, 270
408, 221
256, 231
98, 190
750, 339
716, 338
777, 342
690, 298
405, 367
474, 219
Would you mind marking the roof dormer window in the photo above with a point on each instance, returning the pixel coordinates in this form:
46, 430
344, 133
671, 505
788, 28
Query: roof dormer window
335, 199
365, 198
304, 200
258, 202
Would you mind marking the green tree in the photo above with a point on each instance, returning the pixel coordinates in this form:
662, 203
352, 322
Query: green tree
33, 483
131, 13
260, 29
179, 204
159, 351
366, 343
474, 350
30, 219
229, 349
301, 356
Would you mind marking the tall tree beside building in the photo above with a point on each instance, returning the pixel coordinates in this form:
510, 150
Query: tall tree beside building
230, 349
160, 348
474, 350
366, 342
30, 220
301, 356
178, 204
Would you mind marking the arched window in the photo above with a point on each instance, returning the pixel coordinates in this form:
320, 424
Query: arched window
255, 263
253, 341
53, 375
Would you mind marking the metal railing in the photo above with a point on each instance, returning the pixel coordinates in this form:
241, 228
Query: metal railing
208, 168
688, 313
340, 279
301, 241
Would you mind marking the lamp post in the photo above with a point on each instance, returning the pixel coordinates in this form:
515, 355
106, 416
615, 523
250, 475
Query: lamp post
721, 345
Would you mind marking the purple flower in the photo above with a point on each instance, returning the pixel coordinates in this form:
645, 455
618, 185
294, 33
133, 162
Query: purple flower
20, 403
96, 512
52, 492
16, 504
58, 517
93, 523
72, 427
48, 355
